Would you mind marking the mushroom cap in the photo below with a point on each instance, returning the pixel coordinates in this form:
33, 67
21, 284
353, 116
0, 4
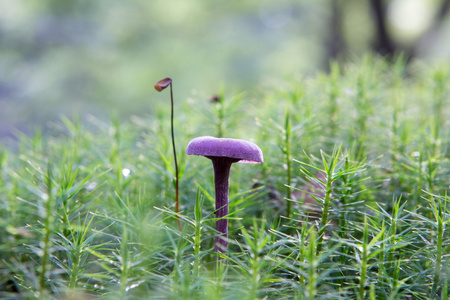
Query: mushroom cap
244, 151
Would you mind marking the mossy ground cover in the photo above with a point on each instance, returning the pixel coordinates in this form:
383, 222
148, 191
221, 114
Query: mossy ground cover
351, 201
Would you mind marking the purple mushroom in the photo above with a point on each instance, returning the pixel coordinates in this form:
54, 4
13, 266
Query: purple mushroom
223, 152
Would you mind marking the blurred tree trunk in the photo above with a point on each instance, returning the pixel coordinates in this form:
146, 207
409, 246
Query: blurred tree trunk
336, 43
384, 44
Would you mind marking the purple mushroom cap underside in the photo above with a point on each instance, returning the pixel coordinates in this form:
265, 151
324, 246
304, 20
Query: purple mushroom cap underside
244, 151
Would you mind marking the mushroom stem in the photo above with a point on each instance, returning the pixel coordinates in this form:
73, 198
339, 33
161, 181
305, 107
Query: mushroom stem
222, 166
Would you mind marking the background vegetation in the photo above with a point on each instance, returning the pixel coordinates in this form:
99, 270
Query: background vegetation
58, 57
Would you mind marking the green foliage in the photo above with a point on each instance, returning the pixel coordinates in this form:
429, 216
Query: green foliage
351, 201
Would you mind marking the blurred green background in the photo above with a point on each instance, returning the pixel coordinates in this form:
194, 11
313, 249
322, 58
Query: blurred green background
100, 57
